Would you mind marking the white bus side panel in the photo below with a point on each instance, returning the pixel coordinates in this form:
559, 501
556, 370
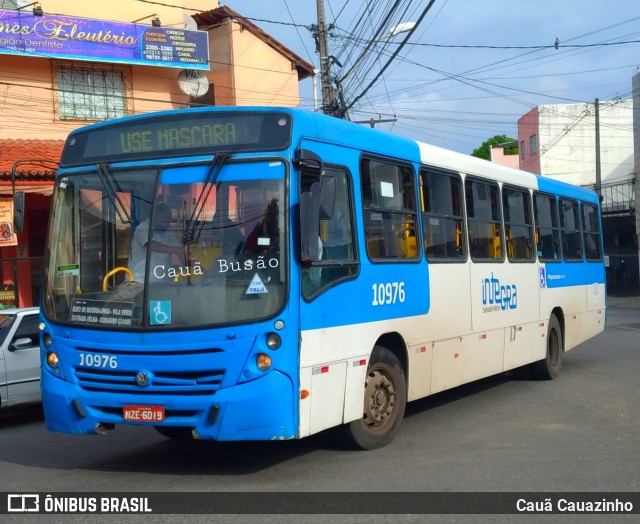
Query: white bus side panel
449, 316
583, 309
333, 365
466, 358
420, 358
525, 343
450, 311
504, 295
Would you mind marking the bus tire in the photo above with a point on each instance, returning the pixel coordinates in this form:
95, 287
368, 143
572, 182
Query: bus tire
174, 432
549, 367
385, 399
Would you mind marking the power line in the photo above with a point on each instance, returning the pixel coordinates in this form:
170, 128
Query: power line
395, 53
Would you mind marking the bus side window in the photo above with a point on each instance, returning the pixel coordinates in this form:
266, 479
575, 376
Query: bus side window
547, 227
443, 222
518, 223
591, 228
571, 230
389, 207
485, 225
336, 236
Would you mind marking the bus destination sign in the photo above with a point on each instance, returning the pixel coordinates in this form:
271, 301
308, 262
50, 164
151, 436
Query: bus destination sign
188, 133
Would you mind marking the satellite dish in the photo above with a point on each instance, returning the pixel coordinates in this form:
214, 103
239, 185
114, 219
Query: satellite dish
189, 22
193, 82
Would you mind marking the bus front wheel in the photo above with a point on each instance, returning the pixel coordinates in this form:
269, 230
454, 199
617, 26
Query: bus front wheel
549, 367
385, 399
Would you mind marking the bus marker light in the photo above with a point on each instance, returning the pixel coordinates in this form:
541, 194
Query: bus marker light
52, 359
483, 336
456, 355
304, 394
423, 349
263, 362
358, 363
279, 324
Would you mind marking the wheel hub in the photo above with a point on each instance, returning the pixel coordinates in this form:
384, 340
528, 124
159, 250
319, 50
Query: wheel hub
380, 395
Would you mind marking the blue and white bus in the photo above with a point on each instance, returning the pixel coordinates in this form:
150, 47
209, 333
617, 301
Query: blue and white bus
311, 273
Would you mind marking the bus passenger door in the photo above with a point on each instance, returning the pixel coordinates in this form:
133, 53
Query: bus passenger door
328, 269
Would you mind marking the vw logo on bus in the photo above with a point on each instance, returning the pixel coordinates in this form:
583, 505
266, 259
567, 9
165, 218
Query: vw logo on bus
143, 378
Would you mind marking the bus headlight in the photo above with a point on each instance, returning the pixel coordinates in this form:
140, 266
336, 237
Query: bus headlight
263, 362
273, 341
47, 340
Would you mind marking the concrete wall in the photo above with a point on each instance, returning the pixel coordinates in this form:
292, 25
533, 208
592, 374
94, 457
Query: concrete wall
566, 142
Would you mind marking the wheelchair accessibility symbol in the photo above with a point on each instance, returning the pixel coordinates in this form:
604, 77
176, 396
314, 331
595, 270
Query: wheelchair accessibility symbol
160, 312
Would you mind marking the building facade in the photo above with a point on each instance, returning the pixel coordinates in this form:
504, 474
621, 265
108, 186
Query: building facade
559, 141
83, 62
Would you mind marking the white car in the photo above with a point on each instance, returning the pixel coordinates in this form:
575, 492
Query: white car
19, 356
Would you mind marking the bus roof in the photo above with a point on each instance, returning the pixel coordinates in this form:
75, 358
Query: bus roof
331, 129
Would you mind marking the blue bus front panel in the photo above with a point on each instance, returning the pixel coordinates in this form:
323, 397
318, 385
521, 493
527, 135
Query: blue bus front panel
213, 387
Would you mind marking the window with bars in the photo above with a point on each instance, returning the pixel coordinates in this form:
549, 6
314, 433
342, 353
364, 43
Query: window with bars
91, 93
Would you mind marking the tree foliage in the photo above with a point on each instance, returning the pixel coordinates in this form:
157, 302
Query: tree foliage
483, 150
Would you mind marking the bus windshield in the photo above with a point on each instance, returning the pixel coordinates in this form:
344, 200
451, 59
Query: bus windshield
171, 247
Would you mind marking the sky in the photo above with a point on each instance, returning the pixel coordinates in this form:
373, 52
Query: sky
470, 68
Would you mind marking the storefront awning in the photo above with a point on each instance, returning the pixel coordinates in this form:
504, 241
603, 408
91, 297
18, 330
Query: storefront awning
30, 164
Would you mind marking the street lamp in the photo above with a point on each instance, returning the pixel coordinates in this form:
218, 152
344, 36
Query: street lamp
403, 27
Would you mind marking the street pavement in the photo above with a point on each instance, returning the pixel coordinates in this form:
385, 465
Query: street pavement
624, 302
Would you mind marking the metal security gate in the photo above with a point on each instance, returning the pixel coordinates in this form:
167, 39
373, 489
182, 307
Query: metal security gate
21, 282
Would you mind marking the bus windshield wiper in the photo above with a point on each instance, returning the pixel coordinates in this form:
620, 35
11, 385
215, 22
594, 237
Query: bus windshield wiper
215, 168
112, 193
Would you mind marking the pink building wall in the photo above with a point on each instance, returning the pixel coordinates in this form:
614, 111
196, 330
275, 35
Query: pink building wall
498, 157
528, 126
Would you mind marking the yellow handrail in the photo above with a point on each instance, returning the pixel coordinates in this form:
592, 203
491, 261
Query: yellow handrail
105, 286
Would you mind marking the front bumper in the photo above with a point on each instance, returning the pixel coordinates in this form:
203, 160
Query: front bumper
263, 409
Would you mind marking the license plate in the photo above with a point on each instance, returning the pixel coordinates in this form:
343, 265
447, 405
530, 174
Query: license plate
143, 413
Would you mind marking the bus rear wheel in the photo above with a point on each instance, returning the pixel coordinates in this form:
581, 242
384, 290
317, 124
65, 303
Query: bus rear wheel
549, 367
385, 399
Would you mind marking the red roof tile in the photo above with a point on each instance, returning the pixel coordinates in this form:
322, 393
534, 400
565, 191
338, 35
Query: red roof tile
37, 158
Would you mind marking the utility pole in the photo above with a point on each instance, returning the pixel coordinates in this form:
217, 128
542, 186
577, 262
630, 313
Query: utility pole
323, 51
598, 166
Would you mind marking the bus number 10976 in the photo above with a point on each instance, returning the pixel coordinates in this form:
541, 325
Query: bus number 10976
387, 293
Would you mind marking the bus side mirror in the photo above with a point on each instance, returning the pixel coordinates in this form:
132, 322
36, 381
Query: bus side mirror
308, 159
18, 212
